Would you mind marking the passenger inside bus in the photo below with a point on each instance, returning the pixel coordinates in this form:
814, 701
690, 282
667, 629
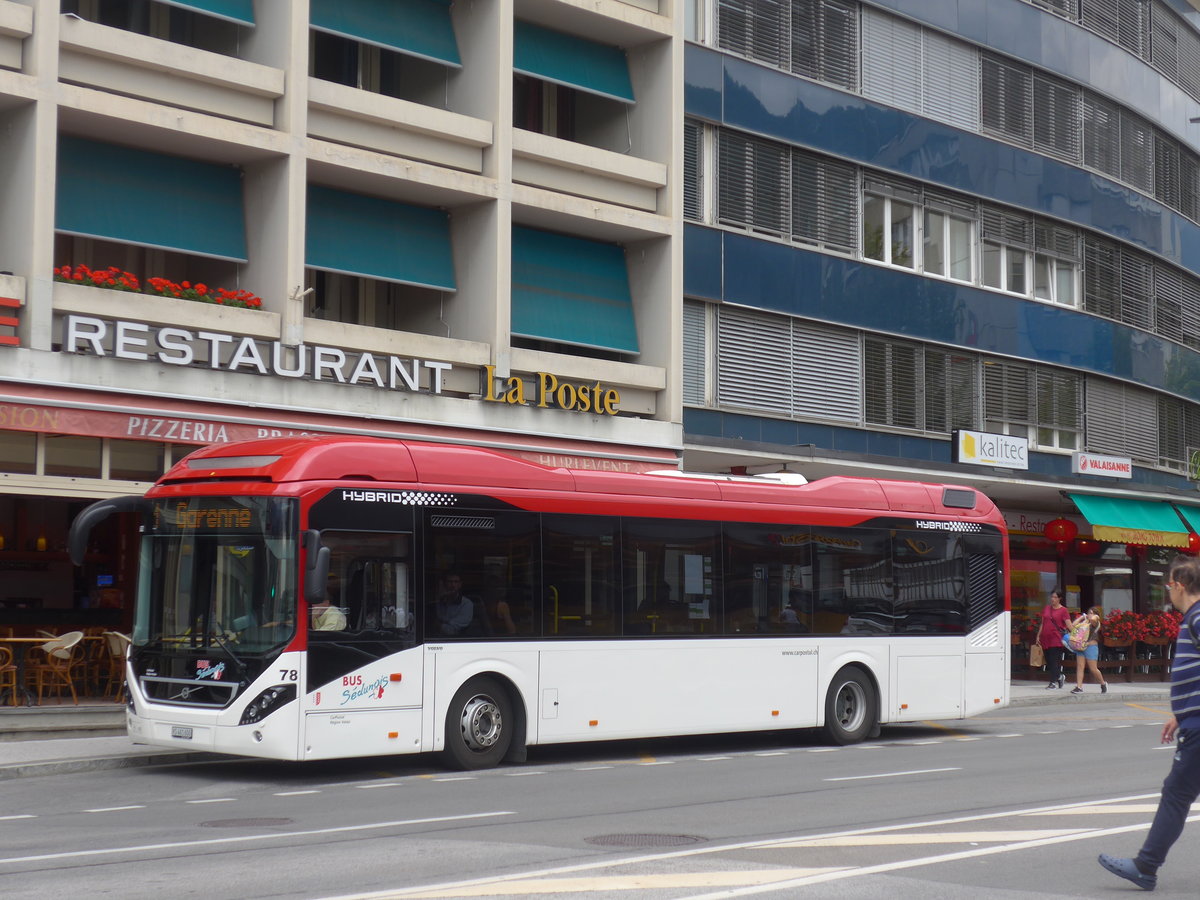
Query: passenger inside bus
325, 616
454, 610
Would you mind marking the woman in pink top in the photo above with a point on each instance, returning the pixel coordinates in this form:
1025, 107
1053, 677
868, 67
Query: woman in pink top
1055, 619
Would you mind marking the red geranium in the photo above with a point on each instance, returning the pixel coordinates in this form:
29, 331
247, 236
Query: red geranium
114, 279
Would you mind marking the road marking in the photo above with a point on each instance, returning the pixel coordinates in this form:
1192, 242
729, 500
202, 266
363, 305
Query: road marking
248, 838
595, 768
772, 753
368, 787
623, 883
895, 774
286, 794
461, 778
1102, 809
213, 800
713, 758
514, 774
107, 809
929, 837
22, 816
658, 762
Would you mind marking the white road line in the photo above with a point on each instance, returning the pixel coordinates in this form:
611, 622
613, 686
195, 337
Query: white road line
658, 762
591, 884
245, 839
22, 816
930, 837
595, 768
894, 774
292, 793
111, 808
456, 778
772, 753
213, 800
713, 758
756, 845
521, 774
382, 784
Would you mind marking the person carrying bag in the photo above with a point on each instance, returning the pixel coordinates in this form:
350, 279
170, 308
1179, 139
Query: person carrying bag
1048, 641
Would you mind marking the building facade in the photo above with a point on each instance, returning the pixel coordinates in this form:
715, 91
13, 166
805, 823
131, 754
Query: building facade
224, 219
956, 241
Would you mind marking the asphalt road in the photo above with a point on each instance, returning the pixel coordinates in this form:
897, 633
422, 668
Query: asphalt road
1010, 804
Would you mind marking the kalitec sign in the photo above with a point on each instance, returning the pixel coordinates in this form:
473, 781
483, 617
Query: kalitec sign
1094, 464
175, 346
979, 448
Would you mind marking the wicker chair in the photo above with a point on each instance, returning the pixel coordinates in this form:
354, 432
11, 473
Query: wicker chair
118, 649
58, 666
8, 676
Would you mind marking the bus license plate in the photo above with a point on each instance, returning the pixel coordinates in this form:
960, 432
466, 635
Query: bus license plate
181, 731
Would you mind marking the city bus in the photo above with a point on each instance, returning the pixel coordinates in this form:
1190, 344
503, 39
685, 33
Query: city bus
339, 596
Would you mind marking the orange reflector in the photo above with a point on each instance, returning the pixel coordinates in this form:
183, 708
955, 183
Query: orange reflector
995, 699
774, 712
904, 706
395, 676
393, 734
594, 722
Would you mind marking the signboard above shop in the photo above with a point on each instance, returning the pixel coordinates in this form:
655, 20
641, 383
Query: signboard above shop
1094, 464
979, 448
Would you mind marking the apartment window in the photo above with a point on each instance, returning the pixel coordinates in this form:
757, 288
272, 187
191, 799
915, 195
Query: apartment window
355, 300
1006, 100
1121, 420
1055, 263
1042, 404
377, 69
1006, 240
1118, 283
1178, 433
915, 387
824, 202
754, 183
814, 38
693, 171
169, 22
948, 238
695, 352
889, 223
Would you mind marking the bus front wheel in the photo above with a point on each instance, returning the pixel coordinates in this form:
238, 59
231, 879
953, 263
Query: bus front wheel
850, 707
479, 725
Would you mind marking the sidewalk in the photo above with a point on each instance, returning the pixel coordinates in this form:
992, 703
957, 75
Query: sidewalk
22, 758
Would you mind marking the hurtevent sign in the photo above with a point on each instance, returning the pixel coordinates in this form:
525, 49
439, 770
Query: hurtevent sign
979, 448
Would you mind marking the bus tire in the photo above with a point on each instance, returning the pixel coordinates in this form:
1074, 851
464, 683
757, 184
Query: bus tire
479, 725
850, 707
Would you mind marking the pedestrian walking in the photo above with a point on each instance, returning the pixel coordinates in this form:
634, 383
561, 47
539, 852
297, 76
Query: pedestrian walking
1054, 621
1089, 623
1182, 784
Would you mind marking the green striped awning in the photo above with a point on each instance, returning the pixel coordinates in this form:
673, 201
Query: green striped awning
1122, 520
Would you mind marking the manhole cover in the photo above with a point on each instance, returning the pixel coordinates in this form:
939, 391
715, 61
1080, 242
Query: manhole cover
644, 840
243, 823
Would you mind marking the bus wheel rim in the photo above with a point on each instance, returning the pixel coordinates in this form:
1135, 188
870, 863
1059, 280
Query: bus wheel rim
482, 723
850, 705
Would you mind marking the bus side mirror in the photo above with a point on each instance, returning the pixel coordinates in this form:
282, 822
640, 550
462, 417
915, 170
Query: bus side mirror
316, 569
81, 527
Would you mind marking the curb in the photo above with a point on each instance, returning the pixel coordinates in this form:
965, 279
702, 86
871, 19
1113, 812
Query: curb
103, 763
1093, 697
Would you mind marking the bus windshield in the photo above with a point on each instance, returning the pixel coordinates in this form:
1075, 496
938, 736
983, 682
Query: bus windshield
218, 573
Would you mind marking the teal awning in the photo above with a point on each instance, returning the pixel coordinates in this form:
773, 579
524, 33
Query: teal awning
377, 238
1191, 515
137, 197
239, 11
571, 291
416, 27
1132, 521
573, 61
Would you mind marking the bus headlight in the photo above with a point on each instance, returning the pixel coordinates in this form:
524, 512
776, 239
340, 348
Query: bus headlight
267, 702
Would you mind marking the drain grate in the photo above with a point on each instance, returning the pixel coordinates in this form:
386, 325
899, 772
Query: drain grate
644, 840
244, 823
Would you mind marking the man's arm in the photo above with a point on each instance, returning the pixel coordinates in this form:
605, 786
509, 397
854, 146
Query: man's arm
1169, 728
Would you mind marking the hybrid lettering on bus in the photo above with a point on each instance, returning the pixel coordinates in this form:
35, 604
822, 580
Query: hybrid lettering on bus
322, 597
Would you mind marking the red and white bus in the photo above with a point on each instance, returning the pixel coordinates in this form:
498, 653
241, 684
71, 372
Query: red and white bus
323, 597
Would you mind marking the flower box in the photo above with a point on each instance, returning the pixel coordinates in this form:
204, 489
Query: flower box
86, 300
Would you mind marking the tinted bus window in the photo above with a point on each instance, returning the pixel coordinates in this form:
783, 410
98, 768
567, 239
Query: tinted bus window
768, 579
481, 576
579, 571
931, 581
852, 581
668, 577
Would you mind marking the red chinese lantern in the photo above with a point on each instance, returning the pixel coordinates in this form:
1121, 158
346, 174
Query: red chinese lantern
1193, 546
1087, 547
1060, 529
1133, 550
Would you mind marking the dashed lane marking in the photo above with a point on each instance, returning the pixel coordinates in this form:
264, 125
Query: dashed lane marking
895, 774
931, 837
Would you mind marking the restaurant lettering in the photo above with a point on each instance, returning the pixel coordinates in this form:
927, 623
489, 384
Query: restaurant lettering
546, 391
183, 347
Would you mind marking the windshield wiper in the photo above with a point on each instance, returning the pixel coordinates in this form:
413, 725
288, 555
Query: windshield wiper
224, 646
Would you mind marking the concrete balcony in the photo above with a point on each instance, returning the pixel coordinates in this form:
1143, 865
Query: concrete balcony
16, 24
133, 65
346, 115
582, 171
79, 299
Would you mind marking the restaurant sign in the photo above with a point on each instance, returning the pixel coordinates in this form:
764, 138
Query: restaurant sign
1094, 464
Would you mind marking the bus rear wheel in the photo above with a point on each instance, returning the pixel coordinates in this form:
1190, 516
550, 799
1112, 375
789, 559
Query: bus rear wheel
479, 725
850, 707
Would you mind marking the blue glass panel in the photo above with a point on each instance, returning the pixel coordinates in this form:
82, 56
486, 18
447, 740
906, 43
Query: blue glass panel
570, 60
773, 276
703, 81
416, 27
571, 291
771, 103
376, 238
136, 197
702, 263
239, 11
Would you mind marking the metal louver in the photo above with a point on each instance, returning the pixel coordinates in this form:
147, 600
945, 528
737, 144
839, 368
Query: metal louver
753, 183
1121, 420
1137, 152
1006, 394
1102, 278
1056, 117
1006, 99
891, 60
1167, 186
1137, 279
824, 202
825, 373
695, 352
891, 382
753, 360
1006, 227
693, 161
950, 81
825, 41
754, 28
1101, 135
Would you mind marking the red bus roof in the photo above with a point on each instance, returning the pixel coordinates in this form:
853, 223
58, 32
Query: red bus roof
365, 461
